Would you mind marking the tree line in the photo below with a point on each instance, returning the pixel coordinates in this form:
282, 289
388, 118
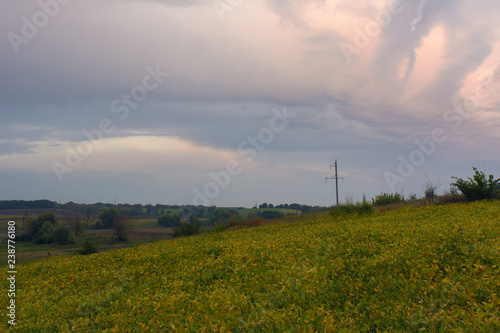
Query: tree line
139, 209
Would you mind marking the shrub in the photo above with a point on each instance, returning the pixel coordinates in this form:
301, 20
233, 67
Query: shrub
34, 227
220, 227
62, 234
108, 216
121, 226
271, 214
478, 187
169, 220
387, 199
221, 215
46, 233
430, 189
53, 233
187, 229
451, 196
89, 247
349, 208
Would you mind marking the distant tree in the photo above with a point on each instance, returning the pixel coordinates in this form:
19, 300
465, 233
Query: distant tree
137, 210
149, 210
61, 234
270, 214
108, 216
270, 206
187, 229
90, 213
25, 217
479, 187
220, 215
121, 226
34, 227
430, 189
264, 205
46, 230
169, 220
156, 210
73, 220
45, 234
192, 219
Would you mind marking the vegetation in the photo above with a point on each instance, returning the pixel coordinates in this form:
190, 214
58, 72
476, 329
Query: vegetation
430, 189
121, 226
90, 212
222, 215
267, 214
107, 217
431, 268
187, 229
89, 247
384, 199
479, 187
169, 220
22, 204
46, 230
352, 209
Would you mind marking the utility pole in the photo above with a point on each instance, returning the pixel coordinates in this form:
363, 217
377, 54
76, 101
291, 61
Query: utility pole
336, 177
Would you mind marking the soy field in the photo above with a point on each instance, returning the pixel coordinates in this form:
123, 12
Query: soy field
425, 269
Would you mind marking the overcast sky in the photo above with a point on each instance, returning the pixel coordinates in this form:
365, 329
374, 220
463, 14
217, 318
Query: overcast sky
235, 102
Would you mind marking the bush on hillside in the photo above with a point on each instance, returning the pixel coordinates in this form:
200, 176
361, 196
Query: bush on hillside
349, 209
187, 229
387, 199
478, 187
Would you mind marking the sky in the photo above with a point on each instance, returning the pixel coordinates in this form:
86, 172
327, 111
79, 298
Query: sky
237, 102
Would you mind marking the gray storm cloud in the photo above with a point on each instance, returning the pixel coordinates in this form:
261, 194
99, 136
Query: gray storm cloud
227, 76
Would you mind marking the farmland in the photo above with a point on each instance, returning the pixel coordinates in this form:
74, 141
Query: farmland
429, 268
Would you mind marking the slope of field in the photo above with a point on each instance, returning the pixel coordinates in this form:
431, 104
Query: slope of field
432, 268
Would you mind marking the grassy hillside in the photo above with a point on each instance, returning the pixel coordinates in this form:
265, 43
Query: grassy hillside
434, 268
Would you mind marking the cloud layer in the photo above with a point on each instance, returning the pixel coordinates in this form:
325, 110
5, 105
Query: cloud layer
362, 79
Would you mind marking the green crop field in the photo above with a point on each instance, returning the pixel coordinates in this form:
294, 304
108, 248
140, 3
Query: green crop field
425, 269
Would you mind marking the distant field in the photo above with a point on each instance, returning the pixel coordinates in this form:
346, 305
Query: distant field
144, 230
425, 269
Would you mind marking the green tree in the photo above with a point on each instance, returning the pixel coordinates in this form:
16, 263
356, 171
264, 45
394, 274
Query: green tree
192, 219
34, 227
121, 226
187, 229
221, 215
478, 187
108, 216
169, 220
62, 234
